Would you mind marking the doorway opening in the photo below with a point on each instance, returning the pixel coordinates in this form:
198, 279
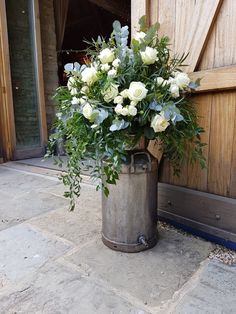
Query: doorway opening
88, 19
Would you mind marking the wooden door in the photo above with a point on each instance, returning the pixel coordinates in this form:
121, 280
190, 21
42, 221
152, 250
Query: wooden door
205, 29
23, 118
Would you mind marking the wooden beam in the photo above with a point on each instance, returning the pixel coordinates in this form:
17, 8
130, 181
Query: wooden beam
193, 28
7, 123
138, 9
222, 78
212, 211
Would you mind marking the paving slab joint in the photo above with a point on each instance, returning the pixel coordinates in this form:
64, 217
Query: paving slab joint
170, 305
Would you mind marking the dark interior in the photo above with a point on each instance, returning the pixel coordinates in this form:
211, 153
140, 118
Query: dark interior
87, 19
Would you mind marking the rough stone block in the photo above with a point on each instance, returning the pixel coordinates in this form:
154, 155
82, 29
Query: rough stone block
151, 276
213, 292
24, 250
58, 289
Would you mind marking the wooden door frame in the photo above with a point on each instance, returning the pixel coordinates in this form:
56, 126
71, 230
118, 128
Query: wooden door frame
7, 123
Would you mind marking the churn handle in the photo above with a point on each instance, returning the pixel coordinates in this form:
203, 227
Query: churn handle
132, 166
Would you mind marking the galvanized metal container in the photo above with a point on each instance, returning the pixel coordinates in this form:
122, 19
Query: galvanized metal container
129, 213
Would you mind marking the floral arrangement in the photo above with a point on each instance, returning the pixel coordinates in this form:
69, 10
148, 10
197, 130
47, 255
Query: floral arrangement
136, 89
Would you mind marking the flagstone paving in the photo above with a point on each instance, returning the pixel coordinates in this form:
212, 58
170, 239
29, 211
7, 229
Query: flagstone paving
53, 261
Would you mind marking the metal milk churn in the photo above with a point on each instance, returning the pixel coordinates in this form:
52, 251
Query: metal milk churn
129, 213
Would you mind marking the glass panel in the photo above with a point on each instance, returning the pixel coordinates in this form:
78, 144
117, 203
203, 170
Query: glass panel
23, 72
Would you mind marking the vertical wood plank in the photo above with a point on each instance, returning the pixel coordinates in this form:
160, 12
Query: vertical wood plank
233, 165
166, 18
197, 178
153, 11
194, 21
221, 142
225, 41
6, 107
138, 9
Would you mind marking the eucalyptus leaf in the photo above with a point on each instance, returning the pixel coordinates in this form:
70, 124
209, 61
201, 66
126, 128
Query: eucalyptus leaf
69, 67
194, 85
118, 125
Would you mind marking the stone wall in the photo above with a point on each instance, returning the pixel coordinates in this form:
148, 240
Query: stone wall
48, 37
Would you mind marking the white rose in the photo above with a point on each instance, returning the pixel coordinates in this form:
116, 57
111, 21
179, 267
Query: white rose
139, 36
137, 91
106, 55
110, 93
75, 101
149, 56
105, 67
159, 123
87, 111
118, 109
84, 90
71, 83
133, 103
116, 63
73, 91
132, 110
82, 101
112, 72
124, 111
118, 100
182, 79
174, 90
89, 75
171, 80
124, 93
160, 81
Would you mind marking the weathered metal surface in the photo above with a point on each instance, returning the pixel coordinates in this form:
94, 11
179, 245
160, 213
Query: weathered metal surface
130, 210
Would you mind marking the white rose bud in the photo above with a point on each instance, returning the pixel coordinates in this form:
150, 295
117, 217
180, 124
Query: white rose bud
112, 72
84, 90
182, 80
149, 56
132, 110
174, 90
137, 91
89, 75
160, 81
71, 83
124, 93
110, 93
159, 123
82, 101
118, 100
75, 101
87, 111
139, 36
118, 109
73, 91
105, 67
124, 111
106, 55
116, 63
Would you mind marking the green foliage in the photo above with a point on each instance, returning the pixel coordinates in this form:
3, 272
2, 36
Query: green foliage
94, 124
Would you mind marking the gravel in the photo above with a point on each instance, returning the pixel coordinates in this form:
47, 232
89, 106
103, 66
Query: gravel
219, 253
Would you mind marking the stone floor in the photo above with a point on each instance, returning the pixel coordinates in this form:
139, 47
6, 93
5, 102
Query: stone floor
53, 261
